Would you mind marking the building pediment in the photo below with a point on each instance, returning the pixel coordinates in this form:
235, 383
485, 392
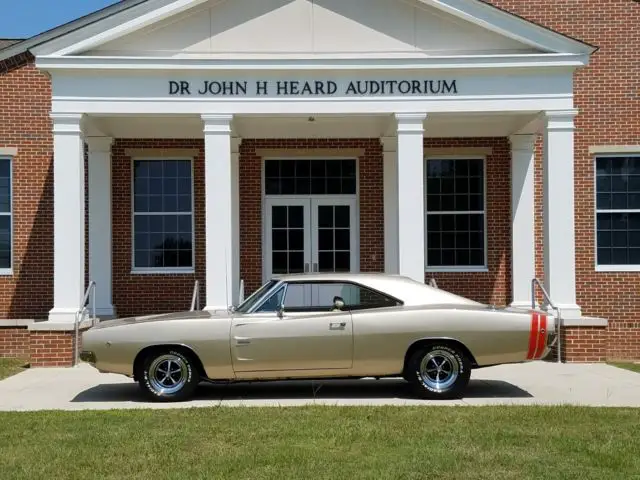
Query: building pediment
237, 29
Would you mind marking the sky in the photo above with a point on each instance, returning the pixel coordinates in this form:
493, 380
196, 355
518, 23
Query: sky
26, 18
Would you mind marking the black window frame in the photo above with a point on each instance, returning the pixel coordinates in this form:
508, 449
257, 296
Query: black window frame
600, 211
163, 269
484, 213
8, 270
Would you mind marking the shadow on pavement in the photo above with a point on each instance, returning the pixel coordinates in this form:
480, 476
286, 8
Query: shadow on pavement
301, 390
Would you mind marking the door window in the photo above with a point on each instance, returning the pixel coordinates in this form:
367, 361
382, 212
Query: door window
320, 297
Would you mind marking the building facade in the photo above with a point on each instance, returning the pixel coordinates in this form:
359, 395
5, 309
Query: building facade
482, 144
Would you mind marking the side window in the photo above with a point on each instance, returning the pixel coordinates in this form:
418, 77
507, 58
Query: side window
319, 297
272, 303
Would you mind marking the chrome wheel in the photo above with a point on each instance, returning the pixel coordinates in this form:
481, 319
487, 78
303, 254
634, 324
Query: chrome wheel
439, 369
168, 374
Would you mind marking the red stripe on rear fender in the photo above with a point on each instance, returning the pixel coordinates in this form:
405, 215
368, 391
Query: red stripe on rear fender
533, 336
542, 337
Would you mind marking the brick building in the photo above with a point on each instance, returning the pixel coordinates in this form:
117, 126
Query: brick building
159, 142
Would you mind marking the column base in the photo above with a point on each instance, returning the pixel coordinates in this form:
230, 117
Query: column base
216, 309
569, 311
522, 304
62, 315
105, 312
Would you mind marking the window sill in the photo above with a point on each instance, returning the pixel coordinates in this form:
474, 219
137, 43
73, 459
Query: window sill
617, 268
164, 271
456, 270
6, 272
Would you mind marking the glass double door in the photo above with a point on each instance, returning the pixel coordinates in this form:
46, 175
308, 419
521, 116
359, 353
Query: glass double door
310, 234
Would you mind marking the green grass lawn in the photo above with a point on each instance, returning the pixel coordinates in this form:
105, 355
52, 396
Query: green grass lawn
634, 367
10, 366
324, 443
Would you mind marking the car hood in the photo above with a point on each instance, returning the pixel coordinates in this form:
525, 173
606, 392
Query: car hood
163, 317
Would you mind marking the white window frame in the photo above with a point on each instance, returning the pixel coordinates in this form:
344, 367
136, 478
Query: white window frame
9, 271
454, 268
598, 267
162, 270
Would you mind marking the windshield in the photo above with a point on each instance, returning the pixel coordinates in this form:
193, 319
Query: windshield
248, 304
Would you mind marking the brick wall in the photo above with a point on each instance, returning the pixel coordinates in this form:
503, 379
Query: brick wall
493, 286
371, 201
25, 103
14, 342
137, 294
607, 94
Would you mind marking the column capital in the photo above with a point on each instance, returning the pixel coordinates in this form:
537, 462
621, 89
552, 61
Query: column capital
217, 123
67, 123
560, 120
99, 144
523, 142
411, 122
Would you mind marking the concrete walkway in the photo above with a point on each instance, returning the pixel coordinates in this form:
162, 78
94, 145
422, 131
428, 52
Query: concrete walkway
537, 383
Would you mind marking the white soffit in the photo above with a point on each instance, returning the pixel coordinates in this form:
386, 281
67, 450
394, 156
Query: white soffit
305, 28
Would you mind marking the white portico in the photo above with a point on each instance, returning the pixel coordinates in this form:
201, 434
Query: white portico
397, 70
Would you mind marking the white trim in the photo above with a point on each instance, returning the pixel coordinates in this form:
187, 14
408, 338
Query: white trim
140, 16
162, 270
121, 28
9, 271
602, 150
509, 25
613, 267
331, 62
456, 268
8, 151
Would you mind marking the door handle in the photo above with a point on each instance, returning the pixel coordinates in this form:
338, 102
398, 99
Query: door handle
306, 268
315, 267
337, 325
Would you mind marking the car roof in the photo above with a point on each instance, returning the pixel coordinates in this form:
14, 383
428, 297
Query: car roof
405, 289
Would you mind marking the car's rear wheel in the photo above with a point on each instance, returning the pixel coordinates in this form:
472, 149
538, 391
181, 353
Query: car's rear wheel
169, 376
438, 371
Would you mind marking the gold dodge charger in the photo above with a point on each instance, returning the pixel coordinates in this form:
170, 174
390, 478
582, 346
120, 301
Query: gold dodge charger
323, 326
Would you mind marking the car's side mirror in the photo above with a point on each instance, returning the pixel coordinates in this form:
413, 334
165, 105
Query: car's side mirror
280, 311
338, 303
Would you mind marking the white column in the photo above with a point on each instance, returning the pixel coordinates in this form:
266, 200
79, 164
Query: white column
411, 261
559, 216
68, 216
235, 215
390, 147
219, 225
523, 248
100, 263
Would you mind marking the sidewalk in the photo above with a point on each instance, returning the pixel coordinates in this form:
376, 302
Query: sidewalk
537, 383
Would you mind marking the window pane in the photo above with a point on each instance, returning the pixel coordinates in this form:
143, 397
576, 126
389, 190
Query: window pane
302, 177
456, 240
5, 186
618, 236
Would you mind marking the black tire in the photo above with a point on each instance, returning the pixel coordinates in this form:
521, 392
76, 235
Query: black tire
453, 378
177, 385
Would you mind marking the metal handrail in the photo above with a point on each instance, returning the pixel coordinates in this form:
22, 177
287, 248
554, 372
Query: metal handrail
547, 298
195, 298
80, 315
433, 283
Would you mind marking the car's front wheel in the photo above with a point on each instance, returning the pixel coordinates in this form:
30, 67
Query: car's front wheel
438, 371
169, 376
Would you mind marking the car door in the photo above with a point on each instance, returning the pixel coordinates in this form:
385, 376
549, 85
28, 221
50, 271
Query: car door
307, 335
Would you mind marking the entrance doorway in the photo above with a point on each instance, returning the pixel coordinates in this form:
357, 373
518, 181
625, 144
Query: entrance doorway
316, 231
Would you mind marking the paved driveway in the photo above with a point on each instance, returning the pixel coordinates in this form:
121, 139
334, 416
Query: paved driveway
83, 388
